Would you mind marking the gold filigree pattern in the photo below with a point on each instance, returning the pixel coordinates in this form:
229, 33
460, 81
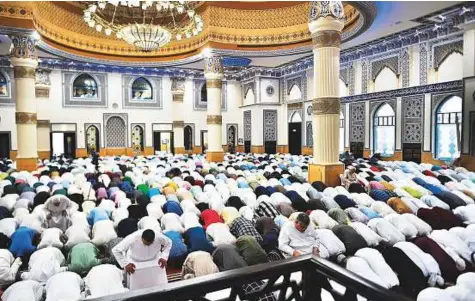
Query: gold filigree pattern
326, 38
25, 118
326, 105
214, 83
178, 124
42, 92
24, 72
43, 123
17, 12
23, 47
177, 97
214, 119
214, 64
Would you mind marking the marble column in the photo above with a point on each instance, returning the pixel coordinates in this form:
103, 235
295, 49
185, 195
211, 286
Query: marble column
326, 22
214, 74
24, 59
42, 86
178, 90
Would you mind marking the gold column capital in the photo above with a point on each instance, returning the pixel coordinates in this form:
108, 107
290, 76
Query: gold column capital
214, 83
326, 105
214, 64
326, 38
178, 124
23, 47
24, 72
214, 119
25, 118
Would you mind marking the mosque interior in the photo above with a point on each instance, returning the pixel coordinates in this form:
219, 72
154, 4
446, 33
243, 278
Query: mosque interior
228, 84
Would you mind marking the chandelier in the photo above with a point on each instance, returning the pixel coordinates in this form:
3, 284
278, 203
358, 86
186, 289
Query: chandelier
147, 25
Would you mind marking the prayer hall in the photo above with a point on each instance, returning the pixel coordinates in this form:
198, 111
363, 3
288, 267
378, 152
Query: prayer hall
237, 150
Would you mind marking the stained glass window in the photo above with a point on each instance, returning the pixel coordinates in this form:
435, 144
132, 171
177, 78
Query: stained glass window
384, 131
141, 89
3, 86
84, 86
92, 138
448, 129
342, 133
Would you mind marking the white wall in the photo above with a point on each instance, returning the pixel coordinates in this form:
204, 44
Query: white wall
386, 80
451, 68
7, 123
266, 82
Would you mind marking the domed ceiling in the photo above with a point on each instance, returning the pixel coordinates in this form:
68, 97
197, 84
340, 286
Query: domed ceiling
233, 25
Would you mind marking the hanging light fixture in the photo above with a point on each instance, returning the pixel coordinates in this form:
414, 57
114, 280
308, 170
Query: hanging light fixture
148, 25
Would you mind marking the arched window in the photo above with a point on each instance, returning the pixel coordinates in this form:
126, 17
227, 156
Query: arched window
295, 93
451, 68
4, 89
137, 138
188, 138
84, 86
384, 130
142, 89
204, 94
448, 128
386, 80
342, 132
296, 117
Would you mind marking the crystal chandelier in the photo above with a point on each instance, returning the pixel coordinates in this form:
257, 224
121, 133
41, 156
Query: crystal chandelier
147, 25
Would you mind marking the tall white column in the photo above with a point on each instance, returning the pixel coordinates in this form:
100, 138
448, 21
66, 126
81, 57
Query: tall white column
214, 74
325, 25
178, 90
24, 60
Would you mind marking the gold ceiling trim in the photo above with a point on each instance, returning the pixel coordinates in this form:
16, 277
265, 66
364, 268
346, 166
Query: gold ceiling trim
63, 27
17, 12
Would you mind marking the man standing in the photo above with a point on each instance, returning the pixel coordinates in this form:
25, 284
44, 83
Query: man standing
298, 238
142, 250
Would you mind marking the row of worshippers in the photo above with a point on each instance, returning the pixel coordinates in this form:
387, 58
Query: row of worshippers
296, 205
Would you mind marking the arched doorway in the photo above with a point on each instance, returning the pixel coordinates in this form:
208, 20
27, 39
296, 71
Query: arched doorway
137, 139
295, 134
188, 138
92, 139
231, 138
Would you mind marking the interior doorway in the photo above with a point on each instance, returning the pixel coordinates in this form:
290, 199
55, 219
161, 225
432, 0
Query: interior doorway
5, 145
204, 141
63, 143
163, 142
295, 138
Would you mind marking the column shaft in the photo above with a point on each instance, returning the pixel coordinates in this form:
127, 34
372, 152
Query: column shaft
214, 74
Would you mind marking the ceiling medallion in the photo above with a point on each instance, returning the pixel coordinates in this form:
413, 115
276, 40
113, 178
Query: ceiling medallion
147, 25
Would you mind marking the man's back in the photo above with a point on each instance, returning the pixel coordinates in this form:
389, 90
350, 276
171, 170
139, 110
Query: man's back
83, 257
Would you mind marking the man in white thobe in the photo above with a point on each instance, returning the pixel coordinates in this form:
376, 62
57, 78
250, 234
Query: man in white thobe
144, 255
298, 238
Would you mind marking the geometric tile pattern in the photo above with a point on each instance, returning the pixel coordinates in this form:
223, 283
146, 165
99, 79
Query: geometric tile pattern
247, 126
116, 129
357, 114
413, 111
270, 125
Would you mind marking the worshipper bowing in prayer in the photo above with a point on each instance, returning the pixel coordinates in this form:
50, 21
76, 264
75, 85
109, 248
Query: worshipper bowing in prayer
43, 264
24, 290
196, 240
198, 264
103, 280
178, 251
8, 267
64, 286
83, 257
144, 248
298, 238
242, 226
24, 241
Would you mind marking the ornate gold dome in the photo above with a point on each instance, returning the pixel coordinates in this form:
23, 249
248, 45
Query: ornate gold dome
253, 26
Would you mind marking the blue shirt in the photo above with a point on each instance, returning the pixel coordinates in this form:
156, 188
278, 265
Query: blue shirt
97, 214
196, 240
172, 207
369, 213
178, 246
22, 242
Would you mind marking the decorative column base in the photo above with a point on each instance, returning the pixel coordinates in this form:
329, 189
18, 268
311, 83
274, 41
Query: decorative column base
215, 156
327, 173
28, 164
180, 150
